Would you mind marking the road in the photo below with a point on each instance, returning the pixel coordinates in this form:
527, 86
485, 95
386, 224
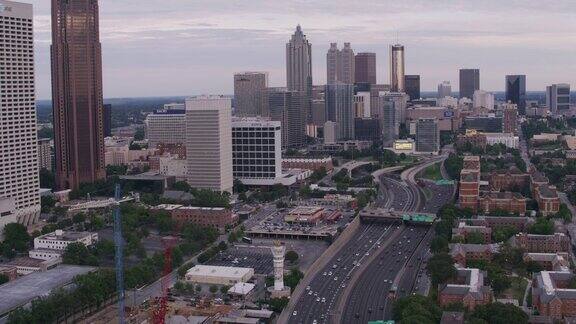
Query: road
319, 300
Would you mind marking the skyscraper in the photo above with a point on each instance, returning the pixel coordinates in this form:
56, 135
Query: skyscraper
390, 120
340, 64
248, 93
77, 93
444, 90
516, 91
299, 68
286, 107
19, 183
427, 135
469, 82
209, 142
332, 63
397, 68
166, 126
365, 68
340, 108
412, 84
558, 98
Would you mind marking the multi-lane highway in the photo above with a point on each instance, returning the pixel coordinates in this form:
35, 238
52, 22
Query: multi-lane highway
319, 299
353, 286
394, 266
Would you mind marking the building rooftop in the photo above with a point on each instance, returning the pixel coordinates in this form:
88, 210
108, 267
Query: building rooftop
19, 292
502, 195
308, 210
60, 235
218, 271
241, 288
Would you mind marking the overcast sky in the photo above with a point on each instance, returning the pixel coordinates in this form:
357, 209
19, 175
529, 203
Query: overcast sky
185, 47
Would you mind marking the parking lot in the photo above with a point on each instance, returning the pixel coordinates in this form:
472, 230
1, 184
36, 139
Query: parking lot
258, 258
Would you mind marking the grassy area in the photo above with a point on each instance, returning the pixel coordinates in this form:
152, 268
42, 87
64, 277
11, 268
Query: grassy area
517, 290
432, 173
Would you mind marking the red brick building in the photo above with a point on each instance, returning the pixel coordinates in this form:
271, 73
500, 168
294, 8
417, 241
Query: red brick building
547, 199
493, 222
463, 231
218, 218
551, 296
511, 202
462, 253
474, 138
508, 180
534, 243
467, 288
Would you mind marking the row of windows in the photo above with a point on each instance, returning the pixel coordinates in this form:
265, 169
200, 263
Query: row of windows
252, 141
253, 162
252, 148
254, 175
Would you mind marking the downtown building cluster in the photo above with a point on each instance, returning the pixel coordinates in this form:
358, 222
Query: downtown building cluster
352, 110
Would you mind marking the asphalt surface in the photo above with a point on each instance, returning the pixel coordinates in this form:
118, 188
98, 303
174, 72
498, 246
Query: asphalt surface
396, 265
317, 304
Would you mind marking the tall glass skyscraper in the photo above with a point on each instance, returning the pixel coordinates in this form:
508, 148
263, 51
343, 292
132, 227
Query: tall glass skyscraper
397, 68
516, 91
469, 82
77, 93
299, 68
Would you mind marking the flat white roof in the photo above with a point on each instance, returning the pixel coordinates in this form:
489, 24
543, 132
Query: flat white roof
218, 271
241, 288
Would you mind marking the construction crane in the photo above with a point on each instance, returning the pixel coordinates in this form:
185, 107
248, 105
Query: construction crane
119, 259
161, 306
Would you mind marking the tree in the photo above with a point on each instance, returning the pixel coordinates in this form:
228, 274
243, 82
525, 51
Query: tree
291, 256
533, 267
47, 203
499, 282
439, 244
293, 278
239, 187
416, 309
16, 239
78, 254
182, 186
3, 279
441, 268
503, 233
498, 313
224, 289
475, 238
79, 218
542, 226
213, 289
278, 304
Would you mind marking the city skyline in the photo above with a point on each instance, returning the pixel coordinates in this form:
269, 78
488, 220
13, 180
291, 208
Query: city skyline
509, 45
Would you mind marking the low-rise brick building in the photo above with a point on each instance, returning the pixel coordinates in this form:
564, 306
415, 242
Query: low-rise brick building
218, 218
535, 243
547, 198
494, 222
549, 261
551, 295
462, 253
9, 271
463, 231
467, 288
509, 180
511, 202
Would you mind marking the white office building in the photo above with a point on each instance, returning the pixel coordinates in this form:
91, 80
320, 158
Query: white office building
18, 139
330, 132
60, 239
483, 99
209, 142
558, 98
257, 152
166, 126
507, 139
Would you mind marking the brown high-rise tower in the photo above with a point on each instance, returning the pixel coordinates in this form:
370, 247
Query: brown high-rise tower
77, 93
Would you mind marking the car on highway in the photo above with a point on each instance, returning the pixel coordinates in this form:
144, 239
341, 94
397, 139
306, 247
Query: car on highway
294, 313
